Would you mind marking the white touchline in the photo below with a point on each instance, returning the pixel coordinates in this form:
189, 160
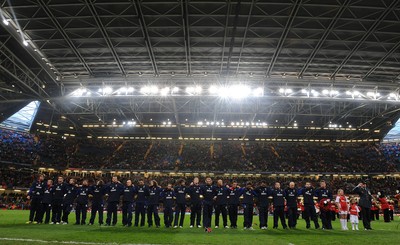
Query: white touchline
67, 242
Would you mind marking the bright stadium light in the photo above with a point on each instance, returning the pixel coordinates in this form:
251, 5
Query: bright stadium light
165, 91
314, 93
213, 89
258, 92
130, 90
145, 90
107, 90
80, 92
5, 22
153, 89
198, 90
175, 90
393, 96
285, 91
373, 95
238, 91
194, 90
122, 90
189, 90
25, 43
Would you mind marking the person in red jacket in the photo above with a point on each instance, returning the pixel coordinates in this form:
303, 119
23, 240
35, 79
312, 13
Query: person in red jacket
334, 211
354, 211
374, 211
343, 205
384, 206
391, 209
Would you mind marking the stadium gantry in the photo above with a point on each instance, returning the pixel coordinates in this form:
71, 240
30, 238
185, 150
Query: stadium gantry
245, 69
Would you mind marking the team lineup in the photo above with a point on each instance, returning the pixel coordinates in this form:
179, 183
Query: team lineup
51, 203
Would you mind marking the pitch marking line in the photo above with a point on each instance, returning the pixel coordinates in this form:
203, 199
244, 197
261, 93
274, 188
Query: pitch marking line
66, 242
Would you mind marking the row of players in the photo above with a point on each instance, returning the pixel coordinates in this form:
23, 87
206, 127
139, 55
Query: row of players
224, 199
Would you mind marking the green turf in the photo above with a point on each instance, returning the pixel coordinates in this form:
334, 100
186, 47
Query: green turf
12, 225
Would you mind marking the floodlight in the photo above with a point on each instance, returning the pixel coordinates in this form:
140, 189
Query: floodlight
165, 91
213, 89
107, 90
258, 92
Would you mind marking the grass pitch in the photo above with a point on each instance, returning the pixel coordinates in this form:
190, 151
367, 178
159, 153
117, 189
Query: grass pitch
13, 230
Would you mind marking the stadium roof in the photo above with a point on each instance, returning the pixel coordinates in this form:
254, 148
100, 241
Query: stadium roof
290, 68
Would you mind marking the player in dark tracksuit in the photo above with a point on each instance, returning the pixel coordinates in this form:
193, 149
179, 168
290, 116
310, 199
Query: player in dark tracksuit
263, 194
248, 194
97, 192
180, 205
208, 192
68, 201
153, 201
127, 203
114, 191
46, 201
291, 203
221, 194
324, 195
168, 198
58, 196
142, 192
308, 194
278, 196
82, 199
233, 203
195, 203
35, 194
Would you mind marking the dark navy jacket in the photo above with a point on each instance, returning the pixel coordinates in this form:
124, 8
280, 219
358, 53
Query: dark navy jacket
37, 189
248, 196
291, 197
208, 191
180, 193
98, 192
154, 195
82, 196
70, 194
194, 192
263, 194
168, 198
128, 194
114, 191
48, 195
323, 194
308, 195
59, 192
142, 193
234, 196
278, 196
222, 195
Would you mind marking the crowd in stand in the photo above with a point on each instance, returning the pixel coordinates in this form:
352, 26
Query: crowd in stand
53, 151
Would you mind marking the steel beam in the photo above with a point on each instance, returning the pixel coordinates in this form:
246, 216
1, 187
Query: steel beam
143, 26
67, 39
393, 4
91, 6
284, 34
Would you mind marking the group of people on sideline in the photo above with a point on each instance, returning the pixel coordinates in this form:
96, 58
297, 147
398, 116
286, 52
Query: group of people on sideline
57, 200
